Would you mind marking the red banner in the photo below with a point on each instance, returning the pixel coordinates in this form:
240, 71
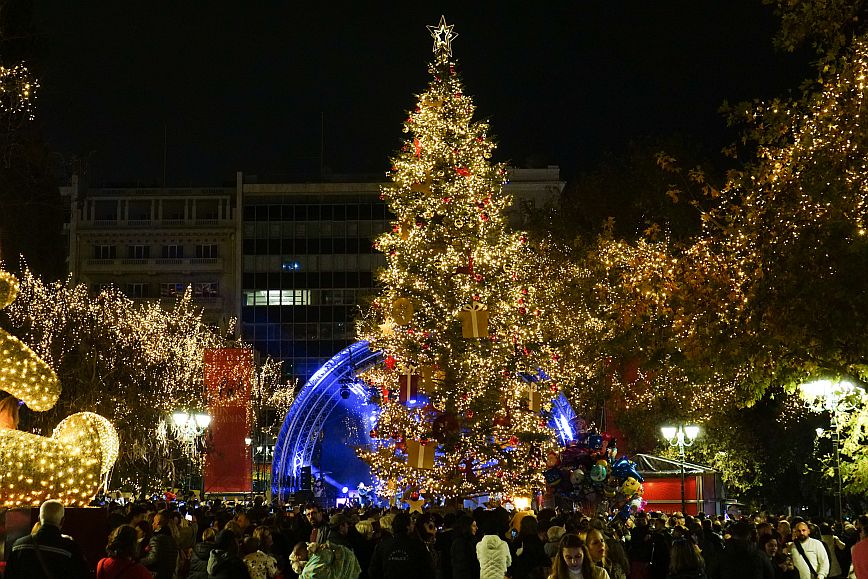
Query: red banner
228, 377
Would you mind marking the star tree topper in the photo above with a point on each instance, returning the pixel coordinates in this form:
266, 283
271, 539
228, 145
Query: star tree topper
443, 37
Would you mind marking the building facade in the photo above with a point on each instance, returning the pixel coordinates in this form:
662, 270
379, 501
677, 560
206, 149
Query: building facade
152, 243
308, 263
293, 263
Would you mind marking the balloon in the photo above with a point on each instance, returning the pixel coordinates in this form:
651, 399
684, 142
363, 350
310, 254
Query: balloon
553, 477
577, 477
598, 472
624, 468
625, 512
630, 486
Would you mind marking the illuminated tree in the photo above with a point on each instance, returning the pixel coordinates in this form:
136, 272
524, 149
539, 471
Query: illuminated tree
452, 255
132, 363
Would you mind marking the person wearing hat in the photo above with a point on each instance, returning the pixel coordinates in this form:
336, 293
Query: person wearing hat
339, 529
553, 537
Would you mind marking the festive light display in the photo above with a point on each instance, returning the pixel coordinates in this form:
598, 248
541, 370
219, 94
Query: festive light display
135, 363
68, 464
459, 318
17, 91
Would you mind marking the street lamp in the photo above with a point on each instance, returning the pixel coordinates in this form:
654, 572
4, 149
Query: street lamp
189, 426
834, 398
681, 436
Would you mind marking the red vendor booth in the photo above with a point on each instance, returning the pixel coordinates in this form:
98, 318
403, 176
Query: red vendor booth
703, 489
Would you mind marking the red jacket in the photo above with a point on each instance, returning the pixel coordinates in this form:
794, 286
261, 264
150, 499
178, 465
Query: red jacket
109, 568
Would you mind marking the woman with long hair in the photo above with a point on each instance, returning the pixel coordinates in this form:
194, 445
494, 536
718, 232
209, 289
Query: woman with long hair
573, 561
685, 562
529, 560
598, 549
122, 549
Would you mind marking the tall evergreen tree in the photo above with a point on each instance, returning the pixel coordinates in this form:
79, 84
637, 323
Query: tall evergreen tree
457, 315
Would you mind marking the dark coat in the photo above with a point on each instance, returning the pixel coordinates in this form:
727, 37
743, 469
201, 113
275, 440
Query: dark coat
741, 560
532, 561
199, 560
462, 554
401, 557
49, 550
224, 565
162, 557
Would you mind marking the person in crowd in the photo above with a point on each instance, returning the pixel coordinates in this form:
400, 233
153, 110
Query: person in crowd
741, 559
47, 554
492, 551
859, 551
599, 550
200, 555
443, 545
330, 561
685, 562
553, 536
122, 550
224, 562
833, 545
462, 551
162, 557
299, 557
809, 554
338, 530
316, 520
785, 531
574, 562
403, 555
529, 560
364, 547
780, 558
259, 564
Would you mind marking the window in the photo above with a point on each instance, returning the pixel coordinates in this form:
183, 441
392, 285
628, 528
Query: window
168, 290
138, 251
276, 297
207, 251
104, 251
205, 290
173, 251
206, 209
136, 290
139, 211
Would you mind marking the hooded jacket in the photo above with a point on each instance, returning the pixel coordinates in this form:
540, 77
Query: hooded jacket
494, 557
225, 565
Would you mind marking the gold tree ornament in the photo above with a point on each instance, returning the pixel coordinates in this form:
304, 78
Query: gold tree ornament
75, 460
402, 311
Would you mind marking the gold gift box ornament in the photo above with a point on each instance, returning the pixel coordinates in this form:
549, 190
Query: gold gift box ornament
72, 463
474, 320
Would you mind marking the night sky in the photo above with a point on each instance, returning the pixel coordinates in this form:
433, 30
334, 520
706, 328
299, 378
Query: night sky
245, 87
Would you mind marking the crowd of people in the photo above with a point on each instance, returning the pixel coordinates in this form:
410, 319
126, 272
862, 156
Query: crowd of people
167, 540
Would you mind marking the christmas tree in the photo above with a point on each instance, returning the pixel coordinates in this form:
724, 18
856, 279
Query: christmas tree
462, 394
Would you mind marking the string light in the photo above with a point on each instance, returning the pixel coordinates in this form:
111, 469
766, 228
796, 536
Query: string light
68, 464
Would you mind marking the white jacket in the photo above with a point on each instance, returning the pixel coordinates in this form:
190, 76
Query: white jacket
494, 557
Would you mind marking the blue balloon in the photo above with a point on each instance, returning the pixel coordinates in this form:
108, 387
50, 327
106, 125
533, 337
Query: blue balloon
623, 468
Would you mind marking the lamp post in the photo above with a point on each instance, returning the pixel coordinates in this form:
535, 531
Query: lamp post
681, 436
189, 426
832, 397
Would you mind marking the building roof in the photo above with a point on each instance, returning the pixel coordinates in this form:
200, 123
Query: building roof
650, 465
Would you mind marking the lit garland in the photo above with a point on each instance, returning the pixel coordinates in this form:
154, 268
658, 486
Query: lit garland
66, 466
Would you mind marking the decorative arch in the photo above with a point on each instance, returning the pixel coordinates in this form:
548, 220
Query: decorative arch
316, 401
321, 395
